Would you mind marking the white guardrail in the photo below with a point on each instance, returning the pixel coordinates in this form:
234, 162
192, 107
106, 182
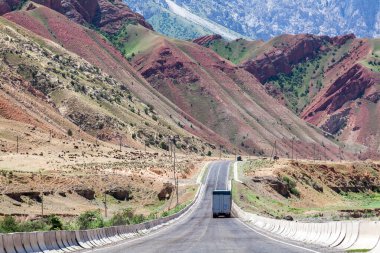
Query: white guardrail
81, 240
341, 235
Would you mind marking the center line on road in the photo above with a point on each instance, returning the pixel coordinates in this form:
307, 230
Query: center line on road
217, 178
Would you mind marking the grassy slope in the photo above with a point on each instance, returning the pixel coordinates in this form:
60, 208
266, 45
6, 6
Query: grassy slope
218, 97
235, 51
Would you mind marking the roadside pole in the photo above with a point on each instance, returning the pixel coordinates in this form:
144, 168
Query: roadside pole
105, 203
174, 169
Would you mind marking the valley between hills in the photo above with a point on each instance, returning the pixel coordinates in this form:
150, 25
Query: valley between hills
91, 98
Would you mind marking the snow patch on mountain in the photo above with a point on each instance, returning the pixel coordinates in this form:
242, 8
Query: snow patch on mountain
217, 29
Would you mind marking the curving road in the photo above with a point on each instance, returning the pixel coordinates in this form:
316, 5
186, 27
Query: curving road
199, 232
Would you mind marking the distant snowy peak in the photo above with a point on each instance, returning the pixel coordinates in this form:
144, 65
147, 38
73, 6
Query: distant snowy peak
215, 28
263, 19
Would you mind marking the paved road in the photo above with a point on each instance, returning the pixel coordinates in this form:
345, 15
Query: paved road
199, 232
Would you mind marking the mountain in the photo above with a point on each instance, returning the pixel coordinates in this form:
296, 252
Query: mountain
74, 72
331, 82
172, 20
263, 19
222, 96
154, 87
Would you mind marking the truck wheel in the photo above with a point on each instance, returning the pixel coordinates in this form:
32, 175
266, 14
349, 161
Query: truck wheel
228, 215
214, 215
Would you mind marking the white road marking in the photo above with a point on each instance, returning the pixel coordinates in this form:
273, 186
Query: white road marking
276, 240
228, 175
217, 178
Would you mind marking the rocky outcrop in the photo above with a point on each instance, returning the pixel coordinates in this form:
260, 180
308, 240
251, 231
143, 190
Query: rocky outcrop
8, 5
205, 40
166, 191
336, 122
167, 64
341, 40
283, 56
119, 193
279, 186
108, 15
349, 87
86, 193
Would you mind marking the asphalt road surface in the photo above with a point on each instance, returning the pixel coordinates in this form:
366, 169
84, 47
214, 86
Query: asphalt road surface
199, 232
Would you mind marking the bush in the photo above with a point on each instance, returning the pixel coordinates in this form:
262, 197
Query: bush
9, 225
292, 186
209, 153
90, 220
56, 223
164, 146
70, 132
124, 217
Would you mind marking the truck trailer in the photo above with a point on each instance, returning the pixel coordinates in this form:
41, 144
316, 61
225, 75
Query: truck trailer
221, 203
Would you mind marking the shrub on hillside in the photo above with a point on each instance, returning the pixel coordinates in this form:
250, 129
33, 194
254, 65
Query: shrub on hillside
90, 220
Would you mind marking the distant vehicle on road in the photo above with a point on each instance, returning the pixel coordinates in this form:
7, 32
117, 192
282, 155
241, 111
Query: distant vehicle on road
221, 203
239, 159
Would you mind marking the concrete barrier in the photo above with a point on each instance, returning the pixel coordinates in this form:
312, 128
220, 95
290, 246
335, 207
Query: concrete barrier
326, 232
29, 241
17, 242
66, 241
336, 228
369, 234
50, 242
58, 238
377, 248
352, 234
8, 243
82, 240
71, 238
41, 241
2, 250
342, 235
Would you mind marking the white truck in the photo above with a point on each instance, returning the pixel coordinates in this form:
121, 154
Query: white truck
221, 203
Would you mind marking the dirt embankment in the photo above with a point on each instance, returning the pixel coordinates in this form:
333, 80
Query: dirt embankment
71, 182
310, 190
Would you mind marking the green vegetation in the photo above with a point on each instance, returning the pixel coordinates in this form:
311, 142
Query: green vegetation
358, 250
244, 197
363, 200
10, 225
87, 220
235, 51
373, 60
292, 186
175, 210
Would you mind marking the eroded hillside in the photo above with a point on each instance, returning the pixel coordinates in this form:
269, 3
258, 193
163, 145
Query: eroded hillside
331, 82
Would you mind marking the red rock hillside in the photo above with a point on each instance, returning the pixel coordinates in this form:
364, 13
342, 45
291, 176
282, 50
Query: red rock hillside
95, 49
109, 16
223, 97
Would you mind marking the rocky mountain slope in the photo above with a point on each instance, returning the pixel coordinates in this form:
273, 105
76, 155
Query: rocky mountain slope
223, 97
103, 96
266, 19
172, 88
331, 82
108, 16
